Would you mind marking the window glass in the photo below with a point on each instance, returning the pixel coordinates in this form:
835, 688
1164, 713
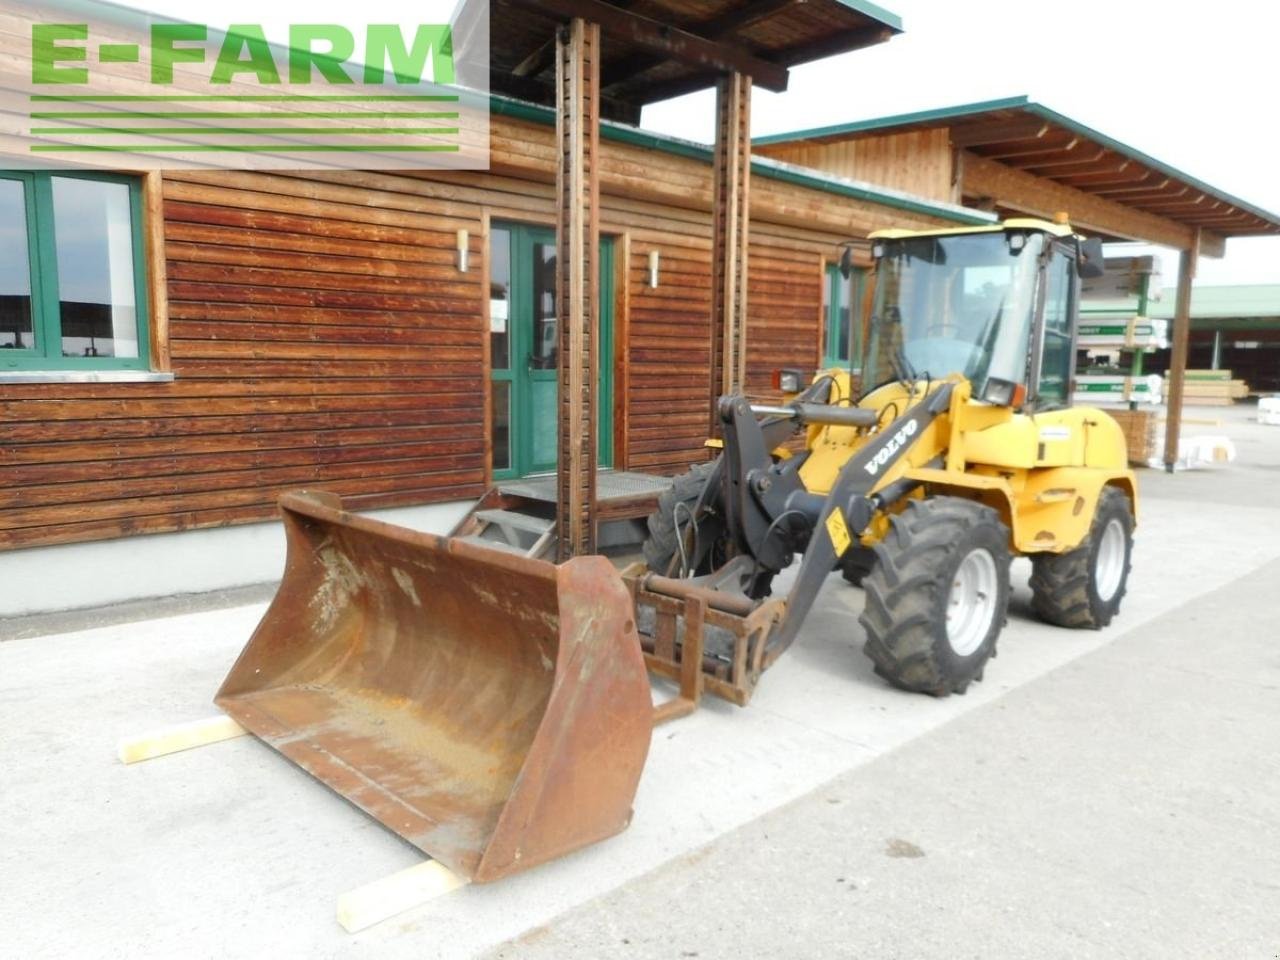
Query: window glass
500, 299
954, 304
17, 331
545, 342
841, 323
93, 226
1055, 370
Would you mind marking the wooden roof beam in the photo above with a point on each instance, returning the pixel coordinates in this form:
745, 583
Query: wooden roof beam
1009, 131
1149, 183
1090, 162
715, 29
538, 61
1199, 203
1138, 179
836, 43
672, 43
1020, 190
1143, 195
1049, 151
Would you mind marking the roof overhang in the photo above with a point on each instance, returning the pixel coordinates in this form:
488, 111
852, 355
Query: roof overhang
1032, 141
657, 49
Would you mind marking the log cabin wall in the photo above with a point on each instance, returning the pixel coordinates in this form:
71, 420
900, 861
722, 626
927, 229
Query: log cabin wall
322, 336
919, 162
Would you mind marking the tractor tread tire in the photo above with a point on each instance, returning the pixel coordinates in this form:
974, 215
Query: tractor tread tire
908, 587
660, 547
1062, 587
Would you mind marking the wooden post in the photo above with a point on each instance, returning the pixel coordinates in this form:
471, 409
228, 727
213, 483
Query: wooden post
1178, 356
730, 237
577, 282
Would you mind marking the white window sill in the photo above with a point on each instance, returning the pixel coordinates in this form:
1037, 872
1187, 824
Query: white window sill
84, 376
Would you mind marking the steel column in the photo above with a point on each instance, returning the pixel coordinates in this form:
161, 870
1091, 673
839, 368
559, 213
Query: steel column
730, 236
1178, 358
577, 282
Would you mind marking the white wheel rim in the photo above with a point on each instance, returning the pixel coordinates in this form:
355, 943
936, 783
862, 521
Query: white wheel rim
971, 603
1108, 565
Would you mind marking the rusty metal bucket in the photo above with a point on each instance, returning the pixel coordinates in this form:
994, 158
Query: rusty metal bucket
492, 710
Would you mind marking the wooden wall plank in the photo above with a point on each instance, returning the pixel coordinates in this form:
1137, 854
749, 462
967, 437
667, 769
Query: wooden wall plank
321, 335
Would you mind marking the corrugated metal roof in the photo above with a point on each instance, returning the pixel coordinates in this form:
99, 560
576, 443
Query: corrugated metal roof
1028, 136
1234, 301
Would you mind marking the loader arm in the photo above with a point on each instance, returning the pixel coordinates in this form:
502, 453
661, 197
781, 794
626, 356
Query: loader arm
852, 499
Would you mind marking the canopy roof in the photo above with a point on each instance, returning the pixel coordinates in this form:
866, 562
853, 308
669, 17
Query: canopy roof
1029, 137
656, 49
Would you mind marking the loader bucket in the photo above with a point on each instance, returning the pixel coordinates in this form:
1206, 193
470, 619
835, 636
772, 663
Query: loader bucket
492, 710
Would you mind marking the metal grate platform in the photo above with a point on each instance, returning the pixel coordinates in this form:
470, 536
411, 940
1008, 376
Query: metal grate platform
610, 485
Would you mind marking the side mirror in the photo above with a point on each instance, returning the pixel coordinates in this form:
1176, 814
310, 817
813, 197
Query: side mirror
846, 263
1090, 263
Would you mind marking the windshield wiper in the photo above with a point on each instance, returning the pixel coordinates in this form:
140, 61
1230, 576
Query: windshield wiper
906, 373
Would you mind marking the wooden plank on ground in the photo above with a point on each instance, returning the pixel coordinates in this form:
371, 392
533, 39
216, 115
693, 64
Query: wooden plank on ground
383, 899
184, 736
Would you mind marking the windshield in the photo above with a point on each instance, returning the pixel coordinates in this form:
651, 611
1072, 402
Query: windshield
958, 304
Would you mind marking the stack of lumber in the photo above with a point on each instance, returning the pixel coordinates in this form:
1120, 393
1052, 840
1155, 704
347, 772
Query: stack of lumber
1117, 387
1213, 388
1124, 333
1141, 433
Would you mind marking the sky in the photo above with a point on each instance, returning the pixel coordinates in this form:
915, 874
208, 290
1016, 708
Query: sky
1192, 85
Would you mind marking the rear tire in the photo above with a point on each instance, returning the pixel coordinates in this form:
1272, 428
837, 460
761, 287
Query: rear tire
938, 595
661, 550
1082, 589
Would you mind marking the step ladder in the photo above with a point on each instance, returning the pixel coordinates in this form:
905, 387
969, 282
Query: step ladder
511, 525
512, 531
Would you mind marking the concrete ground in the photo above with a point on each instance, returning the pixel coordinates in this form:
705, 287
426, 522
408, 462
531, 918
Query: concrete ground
1110, 794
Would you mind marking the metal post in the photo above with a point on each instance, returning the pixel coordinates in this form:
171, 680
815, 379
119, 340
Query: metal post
577, 283
1178, 356
1217, 351
731, 214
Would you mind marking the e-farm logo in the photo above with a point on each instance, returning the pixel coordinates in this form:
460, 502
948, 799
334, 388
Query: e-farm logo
245, 50
153, 88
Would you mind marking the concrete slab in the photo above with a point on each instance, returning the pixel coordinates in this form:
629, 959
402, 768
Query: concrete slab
230, 850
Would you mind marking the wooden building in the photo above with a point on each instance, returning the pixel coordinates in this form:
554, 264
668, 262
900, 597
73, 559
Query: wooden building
1017, 157
317, 330
202, 341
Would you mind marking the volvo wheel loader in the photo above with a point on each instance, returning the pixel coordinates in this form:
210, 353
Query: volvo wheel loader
495, 710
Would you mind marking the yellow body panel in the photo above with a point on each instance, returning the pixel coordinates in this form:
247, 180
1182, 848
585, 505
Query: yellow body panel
1043, 473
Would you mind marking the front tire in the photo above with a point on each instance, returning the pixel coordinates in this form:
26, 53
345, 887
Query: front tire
937, 595
1082, 589
676, 506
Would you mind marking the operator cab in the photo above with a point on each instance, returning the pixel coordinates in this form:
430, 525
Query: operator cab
996, 305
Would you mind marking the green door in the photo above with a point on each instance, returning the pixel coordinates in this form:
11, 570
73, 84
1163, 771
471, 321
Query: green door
523, 348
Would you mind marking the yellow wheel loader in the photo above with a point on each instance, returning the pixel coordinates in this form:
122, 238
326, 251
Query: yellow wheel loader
495, 710
959, 451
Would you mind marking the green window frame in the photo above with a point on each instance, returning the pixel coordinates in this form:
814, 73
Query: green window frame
842, 317
510, 380
42, 261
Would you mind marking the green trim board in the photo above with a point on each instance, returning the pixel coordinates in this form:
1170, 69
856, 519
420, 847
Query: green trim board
760, 166
918, 117
46, 308
875, 12
937, 117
